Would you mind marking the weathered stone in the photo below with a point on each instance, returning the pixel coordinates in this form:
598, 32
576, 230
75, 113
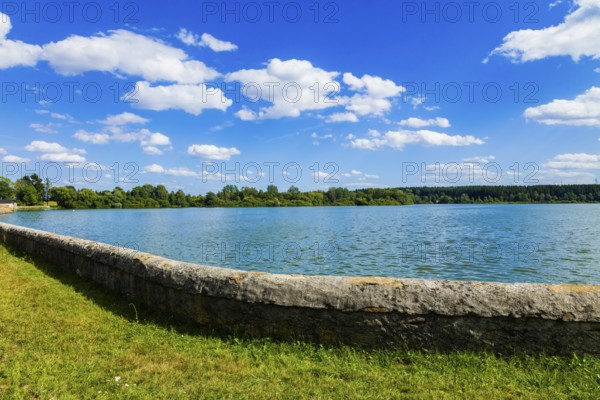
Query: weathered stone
364, 311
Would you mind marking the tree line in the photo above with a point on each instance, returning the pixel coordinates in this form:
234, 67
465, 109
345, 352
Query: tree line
32, 190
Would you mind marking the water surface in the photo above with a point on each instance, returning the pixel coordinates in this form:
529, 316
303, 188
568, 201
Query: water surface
504, 243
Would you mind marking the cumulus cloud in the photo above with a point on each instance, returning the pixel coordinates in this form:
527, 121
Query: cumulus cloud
575, 161
55, 115
5, 25
584, 110
91, 137
206, 40
193, 99
291, 86
123, 119
422, 123
317, 138
125, 52
574, 167
341, 117
399, 139
373, 94
119, 52
178, 171
49, 128
479, 159
15, 159
577, 36
15, 53
152, 143
212, 152
361, 176
55, 152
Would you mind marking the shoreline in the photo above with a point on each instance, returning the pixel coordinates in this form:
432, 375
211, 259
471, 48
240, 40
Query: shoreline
46, 208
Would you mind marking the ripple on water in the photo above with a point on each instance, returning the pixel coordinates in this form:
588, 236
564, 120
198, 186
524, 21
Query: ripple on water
536, 243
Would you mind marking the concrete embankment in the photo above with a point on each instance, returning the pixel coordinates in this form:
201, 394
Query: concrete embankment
363, 311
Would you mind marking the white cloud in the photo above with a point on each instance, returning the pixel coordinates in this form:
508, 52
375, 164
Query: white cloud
577, 36
47, 147
290, 86
220, 127
597, 70
212, 152
192, 99
90, 137
187, 37
324, 176
372, 85
245, 114
119, 52
55, 115
14, 52
574, 167
206, 40
341, 117
62, 157
215, 44
399, 139
123, 119
575, 161
2, 151
315, 135
479, 159
62, 117
361, 176
15, 159
5, 25
422, 123
374, 94
152, 143
584, 110
179, 171
125, 52
317, 138
152, 150
55, 152
49, 128
418, 101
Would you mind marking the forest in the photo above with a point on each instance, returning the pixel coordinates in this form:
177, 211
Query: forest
32, 191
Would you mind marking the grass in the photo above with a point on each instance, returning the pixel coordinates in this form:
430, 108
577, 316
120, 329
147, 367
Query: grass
64, 338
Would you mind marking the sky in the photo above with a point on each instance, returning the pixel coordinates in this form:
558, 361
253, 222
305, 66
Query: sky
198, 94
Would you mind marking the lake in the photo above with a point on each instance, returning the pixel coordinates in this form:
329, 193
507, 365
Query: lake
545, 243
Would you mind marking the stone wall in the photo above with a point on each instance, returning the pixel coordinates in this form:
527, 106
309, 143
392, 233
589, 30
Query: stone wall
363, 311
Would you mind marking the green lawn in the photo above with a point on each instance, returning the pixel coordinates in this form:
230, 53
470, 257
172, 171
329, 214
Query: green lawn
63, 338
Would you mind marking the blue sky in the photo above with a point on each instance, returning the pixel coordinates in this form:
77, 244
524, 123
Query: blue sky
195, 95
